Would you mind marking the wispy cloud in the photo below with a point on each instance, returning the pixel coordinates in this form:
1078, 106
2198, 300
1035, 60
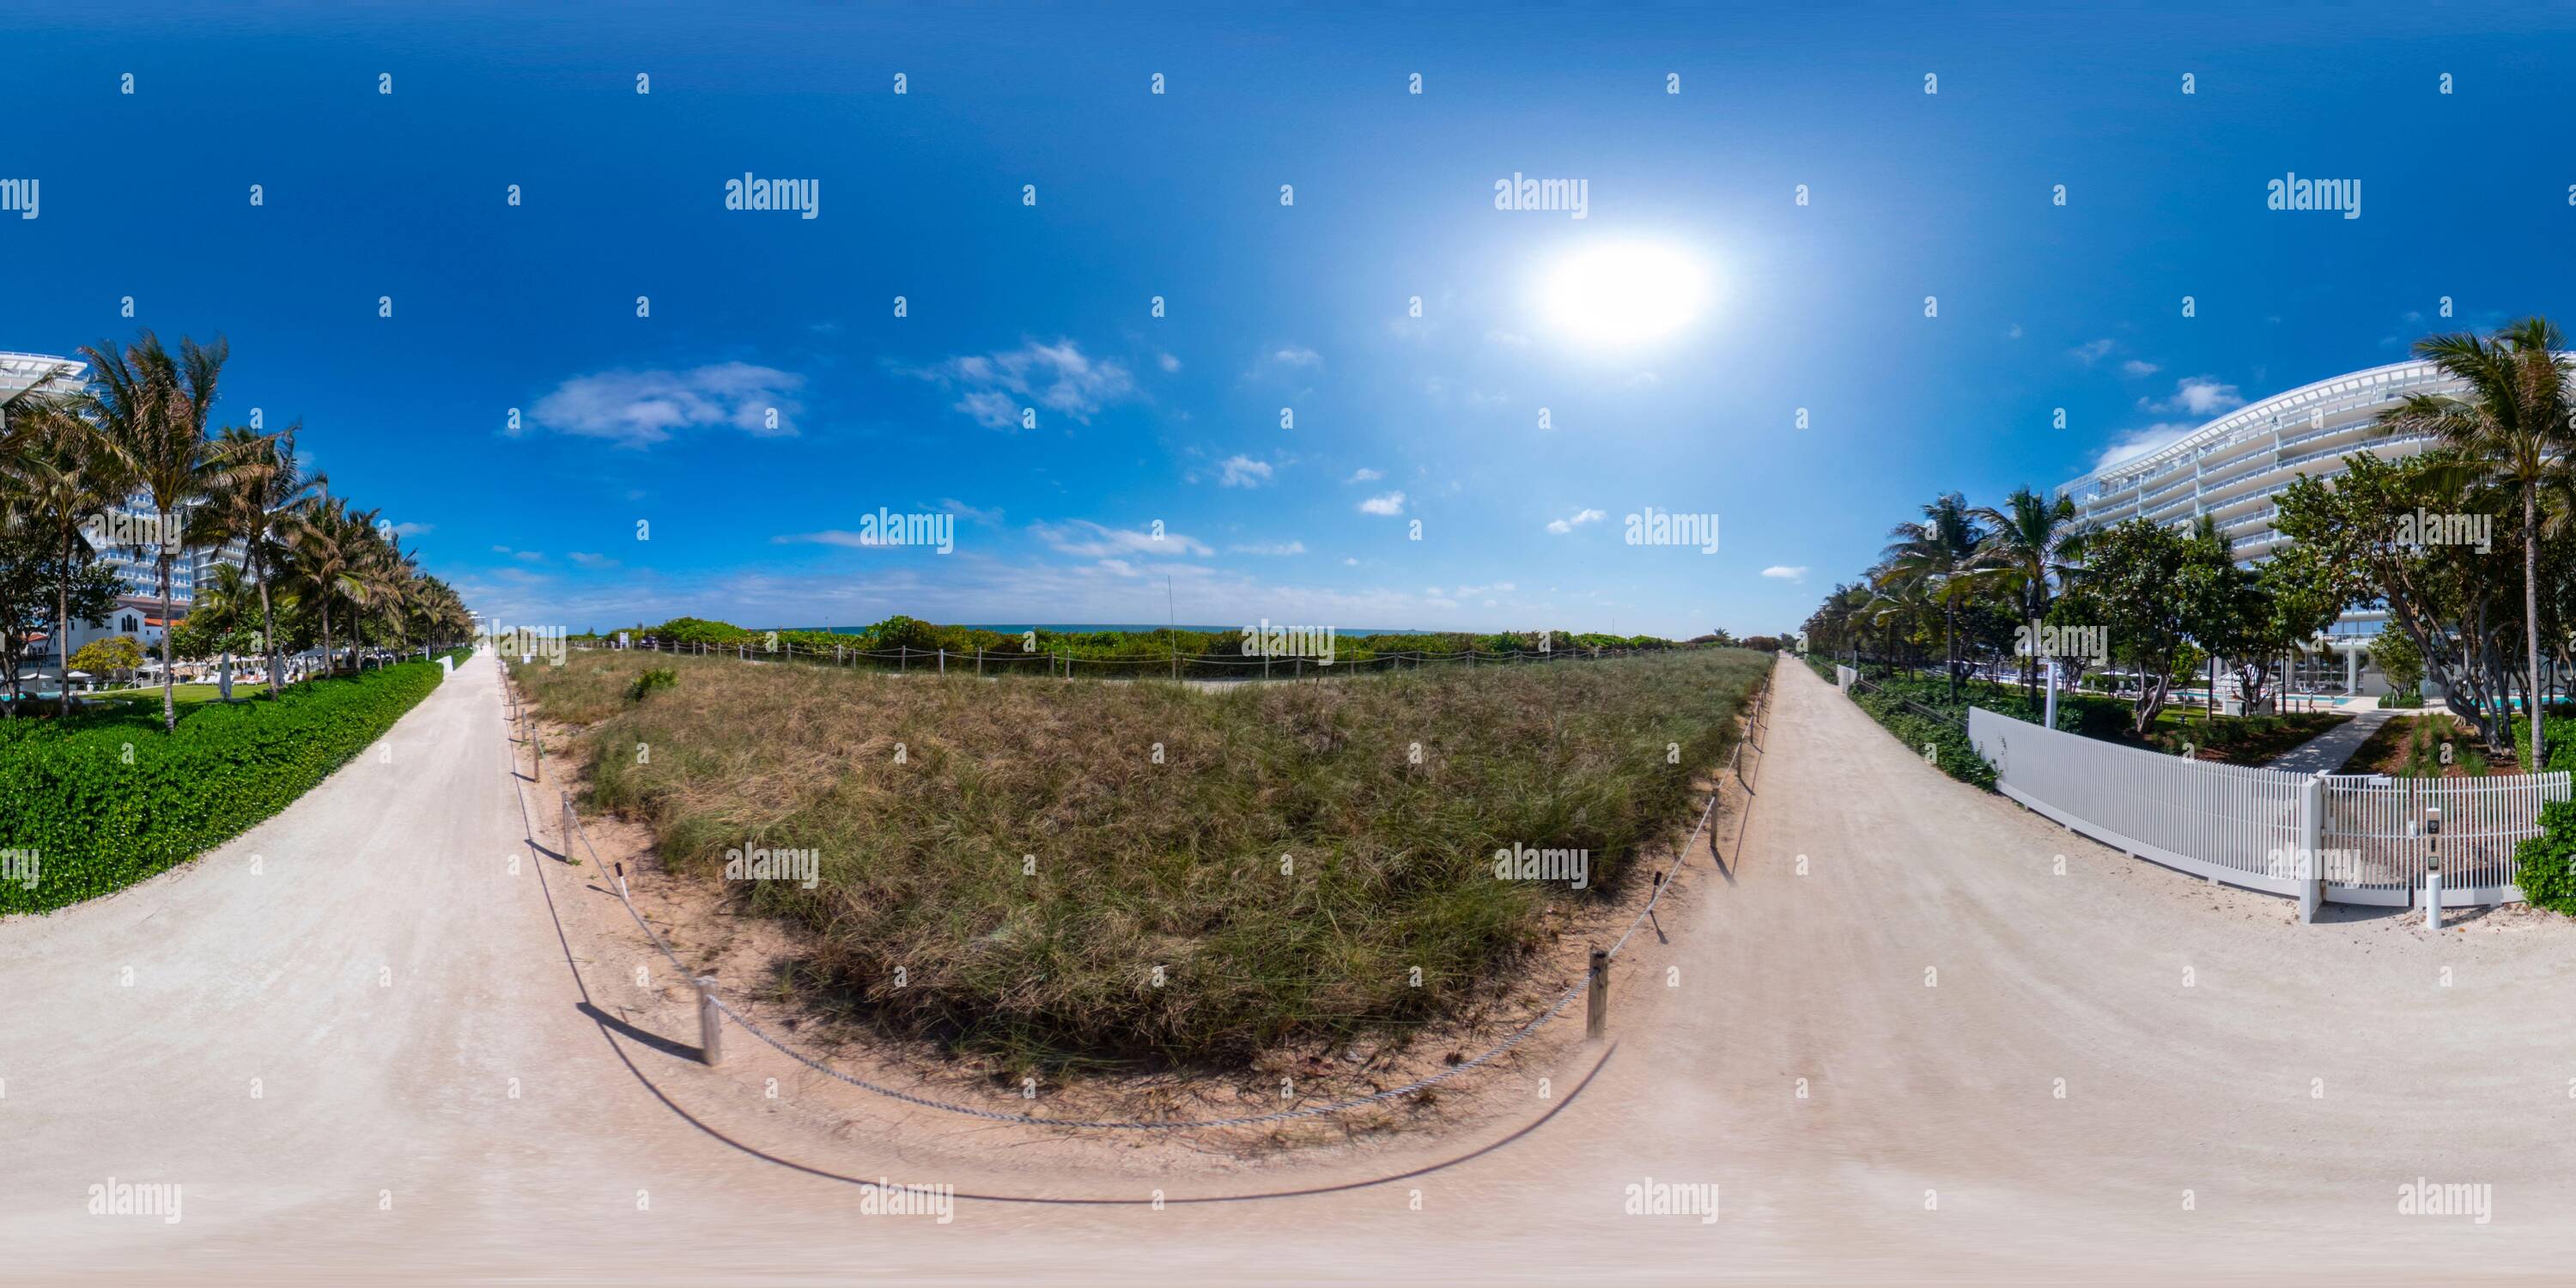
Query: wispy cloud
2091, 351
2139, 442
2198, 396
590, 560
1575, 520
1243, 471
994, 387
1094, 541
1270, 548
2139, 370
1786, 573
640, 408
1391, 503
1365, 475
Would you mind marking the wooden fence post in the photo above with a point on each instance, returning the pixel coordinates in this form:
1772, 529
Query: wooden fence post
710, 1023
1596, 1008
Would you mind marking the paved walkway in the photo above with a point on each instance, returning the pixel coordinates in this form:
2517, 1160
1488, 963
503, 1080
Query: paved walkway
2328, 750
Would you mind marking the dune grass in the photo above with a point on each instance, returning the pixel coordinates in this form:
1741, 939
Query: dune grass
1061, 872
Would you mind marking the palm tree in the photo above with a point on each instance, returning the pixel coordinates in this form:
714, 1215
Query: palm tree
151, 409
224, 601
60, 481
259, 510
1941, 554
2512, 428
2032, 542
328, 557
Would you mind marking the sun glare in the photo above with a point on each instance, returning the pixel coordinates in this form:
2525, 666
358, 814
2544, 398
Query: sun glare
1625, 293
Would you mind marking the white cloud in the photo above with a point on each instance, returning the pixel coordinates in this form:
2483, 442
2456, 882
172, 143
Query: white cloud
1353, 562
641, 408
1058, 377
1580, 517
1298, 356
2137, 369
2015, 333
1391, 503
1092, 541
589, 560
965, 511
414, 529
1243, 471
828, 537
1786, 573
1366, 475
2091, 351
1270, 548
2139, 442
1168, 362
2199, 396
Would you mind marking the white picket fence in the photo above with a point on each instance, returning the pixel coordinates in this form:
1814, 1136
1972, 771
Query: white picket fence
2363, 837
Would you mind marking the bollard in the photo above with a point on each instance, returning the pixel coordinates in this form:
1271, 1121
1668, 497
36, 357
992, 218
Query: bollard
2433, 868
1596, 1000
571, 827
710, 1023
943, 659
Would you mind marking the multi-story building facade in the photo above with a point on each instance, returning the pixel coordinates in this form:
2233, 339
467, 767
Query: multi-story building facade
2234, 468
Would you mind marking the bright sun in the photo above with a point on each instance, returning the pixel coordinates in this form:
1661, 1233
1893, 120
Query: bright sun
1625, 293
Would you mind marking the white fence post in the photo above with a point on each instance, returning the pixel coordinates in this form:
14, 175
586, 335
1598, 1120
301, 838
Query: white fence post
2312, 859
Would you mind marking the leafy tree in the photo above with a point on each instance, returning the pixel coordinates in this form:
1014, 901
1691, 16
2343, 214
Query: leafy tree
2133, 586
116, 655
2456, 605
1941, 557
2397, 658
36, 583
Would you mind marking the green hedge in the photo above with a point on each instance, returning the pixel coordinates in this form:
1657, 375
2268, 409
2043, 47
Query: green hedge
1952, 753
107, 804
2545, 865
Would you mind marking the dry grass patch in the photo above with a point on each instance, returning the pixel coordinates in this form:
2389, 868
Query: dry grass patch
1060, 873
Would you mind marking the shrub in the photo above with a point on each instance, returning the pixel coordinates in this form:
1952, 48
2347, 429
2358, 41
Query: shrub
2405, 698
106, 804
1951, 751
2545, 865
650, 681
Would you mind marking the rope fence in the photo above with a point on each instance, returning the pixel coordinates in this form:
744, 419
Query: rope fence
1594, 979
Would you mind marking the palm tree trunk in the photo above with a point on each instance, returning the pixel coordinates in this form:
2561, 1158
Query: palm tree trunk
63, 627
1950, 649
2531, 620
267, 619
326, 636
169, 705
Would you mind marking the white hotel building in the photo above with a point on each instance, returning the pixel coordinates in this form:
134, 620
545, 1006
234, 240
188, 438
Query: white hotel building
2234, 468
138, 604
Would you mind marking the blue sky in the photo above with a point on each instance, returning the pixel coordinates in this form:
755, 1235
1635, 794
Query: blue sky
663, 420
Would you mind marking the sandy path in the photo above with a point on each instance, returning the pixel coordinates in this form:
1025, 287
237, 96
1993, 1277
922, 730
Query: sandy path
387, 978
